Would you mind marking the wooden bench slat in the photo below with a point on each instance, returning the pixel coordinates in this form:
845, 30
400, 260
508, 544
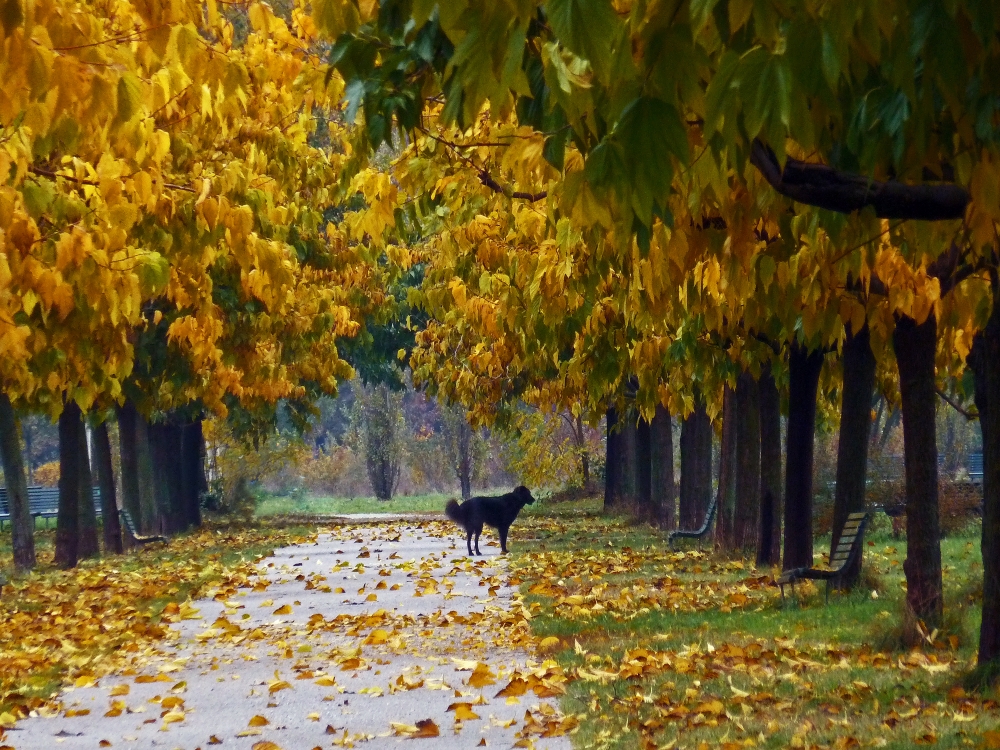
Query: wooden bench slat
849, 544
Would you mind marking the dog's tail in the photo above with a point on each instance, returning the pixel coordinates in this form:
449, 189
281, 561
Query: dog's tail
455, 512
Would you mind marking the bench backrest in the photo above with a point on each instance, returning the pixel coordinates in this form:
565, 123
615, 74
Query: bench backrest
850, 541
44, 499
976, 465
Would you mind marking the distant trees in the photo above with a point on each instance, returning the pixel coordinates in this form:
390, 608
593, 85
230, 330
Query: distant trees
381, 431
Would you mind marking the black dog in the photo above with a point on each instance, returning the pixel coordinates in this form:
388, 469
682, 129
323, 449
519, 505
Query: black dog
498, 512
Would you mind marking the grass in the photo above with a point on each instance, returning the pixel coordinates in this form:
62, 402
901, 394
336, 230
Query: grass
273, 505
694, 650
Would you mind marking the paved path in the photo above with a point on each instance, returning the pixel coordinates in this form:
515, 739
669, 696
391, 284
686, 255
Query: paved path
353, 642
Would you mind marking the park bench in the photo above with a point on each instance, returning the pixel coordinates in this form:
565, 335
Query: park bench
849, 547
134, 533
976, 468
43, 502
699, 532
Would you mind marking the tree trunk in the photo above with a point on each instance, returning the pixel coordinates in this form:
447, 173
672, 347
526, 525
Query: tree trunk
747, 511
166, 447
985, 362
915, 347
855, 428
613, 460
630, 458
68, 520
661, 441
696, 467
193, 480
22, 522
128, 450
106, 481
643, 470
803, 370
724, 526
89, 546
769, 540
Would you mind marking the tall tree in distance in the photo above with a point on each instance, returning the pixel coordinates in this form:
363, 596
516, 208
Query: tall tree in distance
381, 439
460, 442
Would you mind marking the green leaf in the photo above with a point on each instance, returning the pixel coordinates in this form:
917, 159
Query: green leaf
650, 132
587, 27
38, 196
701, 10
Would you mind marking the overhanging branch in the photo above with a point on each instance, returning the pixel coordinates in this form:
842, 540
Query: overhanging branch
832, 189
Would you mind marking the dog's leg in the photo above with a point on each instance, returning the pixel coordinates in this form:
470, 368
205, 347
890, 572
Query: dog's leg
478, 532
468, 541
503, 540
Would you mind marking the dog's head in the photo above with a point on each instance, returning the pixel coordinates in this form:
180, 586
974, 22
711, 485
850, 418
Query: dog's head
524, 495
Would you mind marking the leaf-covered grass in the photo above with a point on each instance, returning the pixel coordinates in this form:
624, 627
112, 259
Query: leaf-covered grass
694, 649
59, 626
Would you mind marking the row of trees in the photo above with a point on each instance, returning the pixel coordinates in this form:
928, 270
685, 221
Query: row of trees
167, 249
703, 206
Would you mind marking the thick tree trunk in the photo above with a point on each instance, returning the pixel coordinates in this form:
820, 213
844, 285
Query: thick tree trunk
106, 481
193, 480
696, 467
915, 347
661, 440
985, 362
166, 449
643, 470
613, 460
149, 516
129, 453
769, 540
164, 459
855, 427
22, 522
68, 520
747, 512
89, 546
725, 532
803, 370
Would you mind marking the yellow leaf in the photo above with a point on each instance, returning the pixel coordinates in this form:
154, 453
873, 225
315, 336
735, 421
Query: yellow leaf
284, 609
258, 721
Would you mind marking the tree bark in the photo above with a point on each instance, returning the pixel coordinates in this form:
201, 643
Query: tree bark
803, 370
106, 481
747, 510
845, 192
985, 362
68, 520
725, 533
852, 449
769, 541
696, 467
129, 453
629, 456
89, 545
915, 347
166, 448
193, 480
661, 440
613, 460
22, 522
643, 470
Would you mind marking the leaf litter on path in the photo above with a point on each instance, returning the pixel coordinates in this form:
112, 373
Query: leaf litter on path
297, 653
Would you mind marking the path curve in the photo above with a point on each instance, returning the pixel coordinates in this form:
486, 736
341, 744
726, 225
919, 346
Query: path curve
356, 640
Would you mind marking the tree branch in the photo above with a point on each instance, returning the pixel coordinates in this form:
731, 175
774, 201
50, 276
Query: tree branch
970, 415
825, 187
